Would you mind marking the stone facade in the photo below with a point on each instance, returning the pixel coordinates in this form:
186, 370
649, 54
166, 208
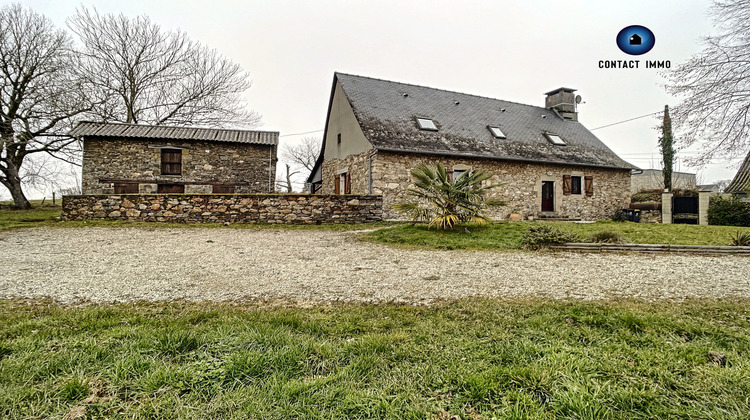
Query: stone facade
247, 168
214, 208
521, 183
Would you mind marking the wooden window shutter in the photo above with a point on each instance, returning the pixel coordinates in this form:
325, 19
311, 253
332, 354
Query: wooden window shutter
566, 184
347, 183
126, 188
223, 189
589, 184
171, 162
337, 185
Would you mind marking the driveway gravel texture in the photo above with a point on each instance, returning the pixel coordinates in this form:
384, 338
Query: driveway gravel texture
307, 267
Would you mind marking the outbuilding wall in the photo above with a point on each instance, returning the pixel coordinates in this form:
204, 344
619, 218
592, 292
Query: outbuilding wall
250, 167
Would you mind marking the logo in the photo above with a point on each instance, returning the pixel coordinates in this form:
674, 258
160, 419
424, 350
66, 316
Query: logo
636, 40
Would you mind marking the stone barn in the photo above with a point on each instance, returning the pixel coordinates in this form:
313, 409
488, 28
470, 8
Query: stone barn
146, 159
548, 163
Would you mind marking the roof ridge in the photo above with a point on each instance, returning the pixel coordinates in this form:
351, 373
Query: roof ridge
195, 127
447, 91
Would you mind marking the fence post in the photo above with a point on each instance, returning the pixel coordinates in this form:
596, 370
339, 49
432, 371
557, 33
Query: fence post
703, 199
666, 208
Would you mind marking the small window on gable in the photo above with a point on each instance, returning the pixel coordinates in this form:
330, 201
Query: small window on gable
496, 132
555, 139
426, 124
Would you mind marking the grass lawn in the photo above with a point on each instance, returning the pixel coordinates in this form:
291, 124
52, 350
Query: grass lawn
477, 359
508, 235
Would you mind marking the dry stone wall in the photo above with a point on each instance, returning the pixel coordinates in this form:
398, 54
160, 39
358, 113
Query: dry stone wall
251, 167
213, 208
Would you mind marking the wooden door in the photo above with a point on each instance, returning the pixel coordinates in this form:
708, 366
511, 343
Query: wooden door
548, 196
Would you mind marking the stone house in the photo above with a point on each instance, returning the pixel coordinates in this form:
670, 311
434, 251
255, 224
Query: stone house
144, 159
550, 165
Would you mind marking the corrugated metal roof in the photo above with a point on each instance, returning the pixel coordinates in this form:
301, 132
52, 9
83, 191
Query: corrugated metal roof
98, 129
386, 113
741, 181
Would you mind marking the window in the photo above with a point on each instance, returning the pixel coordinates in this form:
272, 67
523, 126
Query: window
571, 185
342, 182
126, 188
458, 172
575, 185
338, 139
170, 189
555, 139
426, 124
496, 132
223, 189
171, 162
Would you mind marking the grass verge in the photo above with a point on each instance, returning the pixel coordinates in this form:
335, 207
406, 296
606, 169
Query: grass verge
471, 358
508, 235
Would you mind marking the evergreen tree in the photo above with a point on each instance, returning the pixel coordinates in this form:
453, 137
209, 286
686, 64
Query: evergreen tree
667, 151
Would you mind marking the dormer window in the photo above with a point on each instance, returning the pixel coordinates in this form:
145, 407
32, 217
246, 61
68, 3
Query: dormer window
426, 124
555, 139
496, 132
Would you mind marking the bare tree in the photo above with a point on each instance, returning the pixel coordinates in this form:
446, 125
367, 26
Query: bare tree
715, 87
39, 96
285, 184
303, 154
158, 77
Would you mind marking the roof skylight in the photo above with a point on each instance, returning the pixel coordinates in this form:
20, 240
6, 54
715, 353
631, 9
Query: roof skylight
426, 124
555, 139
497, 132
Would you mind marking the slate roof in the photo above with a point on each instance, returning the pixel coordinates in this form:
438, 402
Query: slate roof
741, 180
386, 113
121, 130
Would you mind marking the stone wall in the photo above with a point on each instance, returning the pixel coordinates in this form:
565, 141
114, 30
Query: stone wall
216, 208
521, 184
204, 163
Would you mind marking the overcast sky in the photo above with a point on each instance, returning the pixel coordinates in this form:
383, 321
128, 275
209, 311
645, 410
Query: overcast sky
511, 50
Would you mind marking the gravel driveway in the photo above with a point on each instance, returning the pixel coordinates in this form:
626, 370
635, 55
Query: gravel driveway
313, 266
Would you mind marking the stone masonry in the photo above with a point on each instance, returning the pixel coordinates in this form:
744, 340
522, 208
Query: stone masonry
521, 183
217, 208
250, 168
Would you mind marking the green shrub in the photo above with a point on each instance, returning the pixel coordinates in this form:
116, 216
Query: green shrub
607, 236
542, 236
618, 216
728, 212
740, 239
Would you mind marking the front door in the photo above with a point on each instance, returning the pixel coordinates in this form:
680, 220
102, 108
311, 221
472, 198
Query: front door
548, 196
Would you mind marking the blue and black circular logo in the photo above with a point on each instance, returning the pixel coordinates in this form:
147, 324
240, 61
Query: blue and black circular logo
636, 40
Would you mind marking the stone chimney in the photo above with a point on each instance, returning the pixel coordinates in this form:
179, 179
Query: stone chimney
563, 100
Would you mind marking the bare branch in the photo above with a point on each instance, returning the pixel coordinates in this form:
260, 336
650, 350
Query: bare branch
39, 97
158, 77
715, 88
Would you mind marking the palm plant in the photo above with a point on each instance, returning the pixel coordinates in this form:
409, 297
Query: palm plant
445, 202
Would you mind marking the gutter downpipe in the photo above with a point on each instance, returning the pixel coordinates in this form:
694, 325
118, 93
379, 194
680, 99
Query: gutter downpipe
369, 171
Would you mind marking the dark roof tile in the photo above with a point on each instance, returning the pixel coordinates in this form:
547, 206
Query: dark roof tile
386, 113
174, 133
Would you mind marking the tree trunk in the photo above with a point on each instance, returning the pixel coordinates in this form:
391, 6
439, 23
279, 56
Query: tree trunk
13, 184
